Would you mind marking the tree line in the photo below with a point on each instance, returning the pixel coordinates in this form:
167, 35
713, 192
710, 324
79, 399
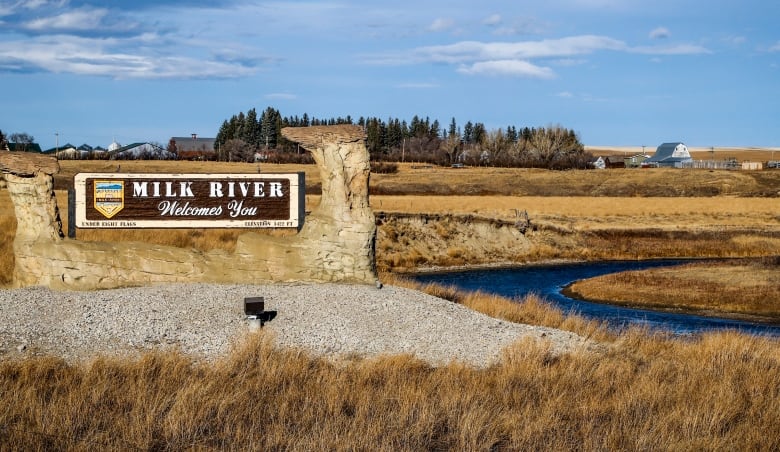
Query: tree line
418, 140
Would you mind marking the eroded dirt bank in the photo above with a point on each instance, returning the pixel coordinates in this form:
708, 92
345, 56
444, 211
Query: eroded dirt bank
406, 242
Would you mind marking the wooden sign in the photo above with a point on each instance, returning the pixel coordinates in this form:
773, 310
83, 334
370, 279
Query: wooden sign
189, 200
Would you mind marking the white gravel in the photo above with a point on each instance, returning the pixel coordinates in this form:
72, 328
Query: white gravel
205, 319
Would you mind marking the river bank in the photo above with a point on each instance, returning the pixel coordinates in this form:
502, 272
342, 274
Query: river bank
741, 289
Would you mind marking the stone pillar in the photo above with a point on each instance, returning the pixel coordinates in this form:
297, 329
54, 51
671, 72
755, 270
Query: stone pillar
337, 240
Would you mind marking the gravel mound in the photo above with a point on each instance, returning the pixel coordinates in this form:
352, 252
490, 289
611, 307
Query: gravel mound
205, 319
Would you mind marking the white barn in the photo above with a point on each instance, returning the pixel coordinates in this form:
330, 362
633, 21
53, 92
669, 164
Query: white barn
674, 155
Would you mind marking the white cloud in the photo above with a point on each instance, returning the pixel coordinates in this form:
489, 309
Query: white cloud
492, 20
515, 68
466, 51
775, 48
736, 40
84, 56
82, 19
565, 94
441, 24
660, 33
679, 49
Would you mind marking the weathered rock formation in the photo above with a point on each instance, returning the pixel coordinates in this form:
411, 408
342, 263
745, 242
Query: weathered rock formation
336, 242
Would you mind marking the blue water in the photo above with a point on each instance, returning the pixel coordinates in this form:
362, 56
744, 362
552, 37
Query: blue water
548, 281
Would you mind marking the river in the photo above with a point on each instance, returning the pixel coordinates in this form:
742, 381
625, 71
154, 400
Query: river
549, 280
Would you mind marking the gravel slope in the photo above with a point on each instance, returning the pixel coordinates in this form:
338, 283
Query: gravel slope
205, 319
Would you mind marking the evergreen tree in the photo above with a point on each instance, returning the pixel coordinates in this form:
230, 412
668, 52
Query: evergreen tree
250, 131
270, 127
434, 131
468, 133
479, 134
453, 128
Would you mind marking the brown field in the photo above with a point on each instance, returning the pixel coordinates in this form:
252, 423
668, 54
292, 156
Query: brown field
735, 289
583, 215
717, 391
412, 179
741, 154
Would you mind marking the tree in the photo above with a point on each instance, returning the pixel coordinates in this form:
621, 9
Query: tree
172, 147
468, 131
3, 141
250, 130
453, 128
238, 150
479, 134
22, 141
270, 127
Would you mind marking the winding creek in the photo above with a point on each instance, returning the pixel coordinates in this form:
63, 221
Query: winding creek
549, 280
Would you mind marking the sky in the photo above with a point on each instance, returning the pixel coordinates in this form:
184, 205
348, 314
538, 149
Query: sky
618, 72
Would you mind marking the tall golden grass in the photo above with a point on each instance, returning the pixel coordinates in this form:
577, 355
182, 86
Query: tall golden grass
727, 288
719, 391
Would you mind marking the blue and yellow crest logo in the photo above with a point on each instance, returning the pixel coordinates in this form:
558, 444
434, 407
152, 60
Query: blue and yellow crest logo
109, 197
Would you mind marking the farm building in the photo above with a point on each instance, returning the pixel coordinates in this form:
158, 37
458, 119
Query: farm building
674, 155
597, 163
635, 161
145, 151
193, 147
752, 166
614, 161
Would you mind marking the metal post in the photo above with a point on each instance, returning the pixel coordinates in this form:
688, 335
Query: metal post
71, 213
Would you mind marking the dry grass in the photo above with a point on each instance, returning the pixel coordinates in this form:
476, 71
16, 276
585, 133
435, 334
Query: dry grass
747, 154
485, 181
531, 310
726, 288
588, 213
717, 392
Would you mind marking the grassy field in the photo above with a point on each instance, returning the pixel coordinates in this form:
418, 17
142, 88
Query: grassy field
741, 154
412, 179
639, 390
735, 289
712, 392
584, 215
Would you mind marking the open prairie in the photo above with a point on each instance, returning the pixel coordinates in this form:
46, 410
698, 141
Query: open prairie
741, 154
640, 391
612, 214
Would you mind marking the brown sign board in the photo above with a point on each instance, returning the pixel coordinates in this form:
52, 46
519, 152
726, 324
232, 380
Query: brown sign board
117, 201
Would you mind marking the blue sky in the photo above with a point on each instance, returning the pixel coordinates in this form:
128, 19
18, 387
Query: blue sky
619, 72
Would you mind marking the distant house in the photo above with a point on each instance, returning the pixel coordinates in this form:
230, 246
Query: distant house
672, 155
597, 163
65, 152
614, 161
194, 148
752, 166
635, 161
140, 151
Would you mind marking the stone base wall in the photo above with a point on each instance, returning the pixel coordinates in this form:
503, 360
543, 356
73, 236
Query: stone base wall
336, 243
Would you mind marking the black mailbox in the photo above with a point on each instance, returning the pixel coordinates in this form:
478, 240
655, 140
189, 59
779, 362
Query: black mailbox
254, 307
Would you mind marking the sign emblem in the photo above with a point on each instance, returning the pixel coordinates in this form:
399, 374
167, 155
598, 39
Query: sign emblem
109, 197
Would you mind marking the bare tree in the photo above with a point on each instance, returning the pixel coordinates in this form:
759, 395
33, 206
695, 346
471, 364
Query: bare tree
496, 145
451, 148
237, 150
22, 141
